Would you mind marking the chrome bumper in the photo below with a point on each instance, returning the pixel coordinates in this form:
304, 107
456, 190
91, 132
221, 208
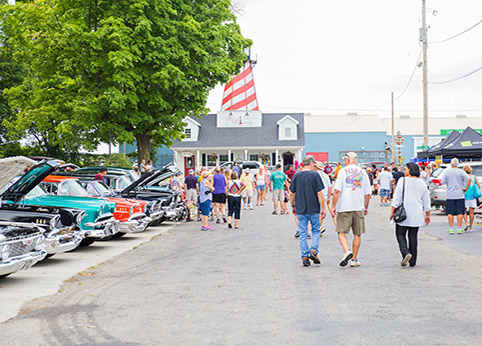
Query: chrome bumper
157, 215
101, 229
137, 223
62, 243
14, 264
172, 213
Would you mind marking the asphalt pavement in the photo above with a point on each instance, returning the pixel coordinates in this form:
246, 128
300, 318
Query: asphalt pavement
247, 287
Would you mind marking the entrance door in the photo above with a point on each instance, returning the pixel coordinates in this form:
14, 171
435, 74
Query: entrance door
287, 160
188, 164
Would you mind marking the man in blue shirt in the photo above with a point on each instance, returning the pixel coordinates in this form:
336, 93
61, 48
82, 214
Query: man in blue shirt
308, 203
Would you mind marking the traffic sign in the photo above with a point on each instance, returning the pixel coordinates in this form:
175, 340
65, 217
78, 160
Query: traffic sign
423, 147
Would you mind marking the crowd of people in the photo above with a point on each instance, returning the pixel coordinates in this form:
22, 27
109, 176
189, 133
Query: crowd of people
314, 190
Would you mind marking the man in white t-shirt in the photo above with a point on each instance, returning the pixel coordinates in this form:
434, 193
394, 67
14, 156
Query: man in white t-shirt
351, 197
385, 179
327, 184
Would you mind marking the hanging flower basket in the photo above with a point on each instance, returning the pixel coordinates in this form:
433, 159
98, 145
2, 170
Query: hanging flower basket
214, 156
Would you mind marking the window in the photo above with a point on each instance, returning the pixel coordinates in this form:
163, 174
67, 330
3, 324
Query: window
223, 158
253, 157
211, 160
288, 132
187, 132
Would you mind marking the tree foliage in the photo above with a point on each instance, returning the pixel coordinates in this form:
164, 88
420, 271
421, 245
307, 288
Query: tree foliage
135, 68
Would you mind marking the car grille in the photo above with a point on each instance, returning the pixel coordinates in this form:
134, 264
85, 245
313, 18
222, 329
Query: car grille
22, 245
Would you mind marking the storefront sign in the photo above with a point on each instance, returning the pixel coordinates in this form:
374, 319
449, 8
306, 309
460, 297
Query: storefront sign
187, 154
446, 132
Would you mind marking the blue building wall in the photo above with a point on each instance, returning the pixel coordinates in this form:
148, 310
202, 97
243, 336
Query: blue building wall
333, 143
164, 155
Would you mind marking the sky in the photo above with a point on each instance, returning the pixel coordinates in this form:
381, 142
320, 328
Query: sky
339, 56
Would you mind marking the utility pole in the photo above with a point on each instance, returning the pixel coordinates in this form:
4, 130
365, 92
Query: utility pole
393, 131
425, 91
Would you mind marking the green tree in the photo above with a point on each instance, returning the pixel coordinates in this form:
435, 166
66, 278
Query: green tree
132, 67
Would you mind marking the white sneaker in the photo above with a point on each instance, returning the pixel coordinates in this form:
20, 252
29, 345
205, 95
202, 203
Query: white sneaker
355, 263
346, 257
251, 206
245, 207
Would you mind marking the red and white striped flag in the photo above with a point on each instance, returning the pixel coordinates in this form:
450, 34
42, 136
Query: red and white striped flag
240, 93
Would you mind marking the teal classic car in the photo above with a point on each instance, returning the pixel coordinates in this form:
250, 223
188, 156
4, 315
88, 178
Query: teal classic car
98, 221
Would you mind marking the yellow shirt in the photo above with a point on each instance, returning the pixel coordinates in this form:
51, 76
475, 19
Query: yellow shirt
247, 180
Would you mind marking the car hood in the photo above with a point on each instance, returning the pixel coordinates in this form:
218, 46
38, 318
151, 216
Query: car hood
29, 180
85, 203
148, 178
10, 167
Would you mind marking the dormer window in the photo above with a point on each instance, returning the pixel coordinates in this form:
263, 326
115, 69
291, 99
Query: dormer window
288, 132
187, 133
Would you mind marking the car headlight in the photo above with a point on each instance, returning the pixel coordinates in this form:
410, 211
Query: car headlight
5, 252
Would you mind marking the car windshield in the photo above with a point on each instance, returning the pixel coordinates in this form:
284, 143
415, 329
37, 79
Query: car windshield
72, 188
36, 191
123, 182
103, 189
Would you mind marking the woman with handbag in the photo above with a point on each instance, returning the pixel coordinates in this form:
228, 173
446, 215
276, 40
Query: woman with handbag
472, 192
410, 210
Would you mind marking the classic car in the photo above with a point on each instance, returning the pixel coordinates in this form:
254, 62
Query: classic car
59, 225
98, 221
145, 188
117, 178
130, 213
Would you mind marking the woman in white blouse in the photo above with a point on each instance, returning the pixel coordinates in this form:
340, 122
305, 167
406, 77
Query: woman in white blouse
416, 202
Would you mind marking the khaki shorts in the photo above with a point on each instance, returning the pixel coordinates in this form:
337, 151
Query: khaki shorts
191, 195
246, 193
350, 219
278, 195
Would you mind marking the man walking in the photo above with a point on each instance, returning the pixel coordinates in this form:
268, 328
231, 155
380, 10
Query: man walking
192, 191
309, 206
247, 193
351, 197
456, 180
277, 183
385, 186
326, 187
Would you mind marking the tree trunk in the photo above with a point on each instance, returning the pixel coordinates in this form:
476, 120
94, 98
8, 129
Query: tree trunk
143, 148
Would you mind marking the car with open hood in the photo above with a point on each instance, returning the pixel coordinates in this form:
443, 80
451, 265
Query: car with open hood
98, 220
130, 213
60, 225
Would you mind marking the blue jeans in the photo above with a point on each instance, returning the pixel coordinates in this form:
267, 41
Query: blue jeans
314, 219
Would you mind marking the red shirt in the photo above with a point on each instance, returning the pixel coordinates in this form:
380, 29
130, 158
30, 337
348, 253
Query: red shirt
290, 173
99, 177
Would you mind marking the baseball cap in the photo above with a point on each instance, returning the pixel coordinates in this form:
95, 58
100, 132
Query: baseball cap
351, 156
191, 171
278, 165
319, 165
103, 169
246, 170
307, 159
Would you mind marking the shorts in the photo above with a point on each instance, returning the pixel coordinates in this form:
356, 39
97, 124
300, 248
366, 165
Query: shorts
246, 193
471, 203
350, 219
261, 187
206, 207
455, 206
384, 193
219, 198
278, 195
191, 195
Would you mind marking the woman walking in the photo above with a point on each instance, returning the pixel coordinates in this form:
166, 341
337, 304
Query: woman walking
235, 187
470, 199
205, 196
375, 180
260, 186
412, 192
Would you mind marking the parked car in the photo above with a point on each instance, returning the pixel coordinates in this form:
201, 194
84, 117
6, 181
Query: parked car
117, 178
59, 225
98, 221
129, 213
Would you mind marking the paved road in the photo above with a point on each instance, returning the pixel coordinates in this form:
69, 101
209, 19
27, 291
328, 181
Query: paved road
247, 287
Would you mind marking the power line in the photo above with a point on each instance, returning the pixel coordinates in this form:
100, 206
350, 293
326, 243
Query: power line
458, 78
411, 76
460, 33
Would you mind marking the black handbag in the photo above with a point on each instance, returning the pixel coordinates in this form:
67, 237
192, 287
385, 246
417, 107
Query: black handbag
400, 214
